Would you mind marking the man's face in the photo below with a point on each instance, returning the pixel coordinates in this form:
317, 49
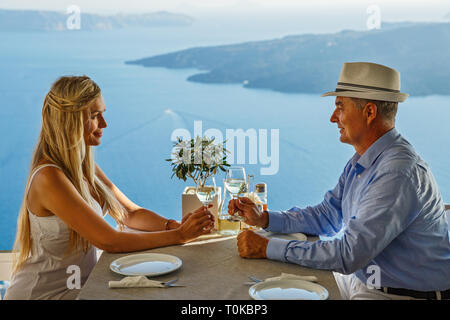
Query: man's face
350, 120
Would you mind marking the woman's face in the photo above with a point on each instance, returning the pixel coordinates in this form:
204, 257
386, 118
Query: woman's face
94, 123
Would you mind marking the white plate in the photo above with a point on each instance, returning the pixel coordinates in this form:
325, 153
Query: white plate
145, 264
287, 236
288, 289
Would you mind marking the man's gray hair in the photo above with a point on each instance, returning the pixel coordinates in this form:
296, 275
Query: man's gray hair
386, 109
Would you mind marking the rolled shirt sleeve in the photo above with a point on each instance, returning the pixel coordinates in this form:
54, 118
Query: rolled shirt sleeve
386, 207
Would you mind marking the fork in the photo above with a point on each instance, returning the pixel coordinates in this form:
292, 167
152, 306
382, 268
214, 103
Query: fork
170, 283
255, 280
306, 278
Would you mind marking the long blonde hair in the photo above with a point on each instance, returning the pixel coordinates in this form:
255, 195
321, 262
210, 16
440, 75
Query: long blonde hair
61, 142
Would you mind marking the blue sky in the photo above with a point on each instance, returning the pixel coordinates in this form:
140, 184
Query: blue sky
268, 16
392, 9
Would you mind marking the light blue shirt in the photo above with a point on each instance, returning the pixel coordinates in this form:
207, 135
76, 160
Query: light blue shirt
388, 212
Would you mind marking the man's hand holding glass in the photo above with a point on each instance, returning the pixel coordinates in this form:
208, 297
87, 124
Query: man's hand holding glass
250, 244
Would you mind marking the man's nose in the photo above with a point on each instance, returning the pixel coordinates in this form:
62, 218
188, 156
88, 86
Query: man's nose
334, 117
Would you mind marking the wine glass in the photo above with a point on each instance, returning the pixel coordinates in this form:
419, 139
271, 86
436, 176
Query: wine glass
235, 182
206, 191
227, 224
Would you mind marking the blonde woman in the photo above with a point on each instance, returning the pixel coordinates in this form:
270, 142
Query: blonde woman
61, 219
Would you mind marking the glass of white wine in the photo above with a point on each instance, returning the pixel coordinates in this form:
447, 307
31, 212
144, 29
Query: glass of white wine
227, 225
236, 183
206, 191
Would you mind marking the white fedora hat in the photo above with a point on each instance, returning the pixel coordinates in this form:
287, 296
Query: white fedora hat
368, 81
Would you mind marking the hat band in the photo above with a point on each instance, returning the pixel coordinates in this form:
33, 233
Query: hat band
363, 87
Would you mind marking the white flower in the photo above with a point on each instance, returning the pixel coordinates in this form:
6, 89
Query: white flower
217, 154
207, 154
198, 150
185, 150
176, 159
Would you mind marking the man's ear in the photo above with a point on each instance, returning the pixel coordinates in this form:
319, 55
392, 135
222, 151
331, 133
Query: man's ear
371, 112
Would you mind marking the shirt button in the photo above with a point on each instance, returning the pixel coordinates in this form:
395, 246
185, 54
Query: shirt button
359, 176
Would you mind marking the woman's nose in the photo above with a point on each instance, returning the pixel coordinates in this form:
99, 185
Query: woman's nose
102, 123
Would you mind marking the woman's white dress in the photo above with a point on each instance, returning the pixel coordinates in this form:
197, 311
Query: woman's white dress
46, 273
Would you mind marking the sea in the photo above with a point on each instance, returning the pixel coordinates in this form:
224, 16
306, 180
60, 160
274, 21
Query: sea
145, 106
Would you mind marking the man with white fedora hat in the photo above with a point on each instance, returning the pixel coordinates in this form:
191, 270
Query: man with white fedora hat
387, 222
370, 81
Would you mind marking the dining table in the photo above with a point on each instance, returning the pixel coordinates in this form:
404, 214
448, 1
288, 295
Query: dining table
211, 270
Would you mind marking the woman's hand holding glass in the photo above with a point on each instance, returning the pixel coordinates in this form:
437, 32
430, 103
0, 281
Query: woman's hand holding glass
196, 223
247, 209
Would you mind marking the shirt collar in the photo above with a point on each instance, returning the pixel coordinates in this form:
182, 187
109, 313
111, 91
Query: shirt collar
372, 153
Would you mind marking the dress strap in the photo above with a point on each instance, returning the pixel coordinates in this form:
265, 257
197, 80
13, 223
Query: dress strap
35, 171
